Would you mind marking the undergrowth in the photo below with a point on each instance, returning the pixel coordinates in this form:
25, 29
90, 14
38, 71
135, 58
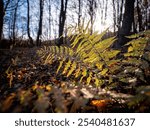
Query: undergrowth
92, 61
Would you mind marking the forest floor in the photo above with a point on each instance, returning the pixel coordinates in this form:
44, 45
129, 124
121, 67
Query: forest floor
28, 85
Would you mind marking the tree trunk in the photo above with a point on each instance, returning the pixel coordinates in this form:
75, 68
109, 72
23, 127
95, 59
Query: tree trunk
62, 18
79, 13
114, 15
139, 17
14, 22
28, 23
120, 16
50, 15
1, 17
92, 5
38, 42
127, 22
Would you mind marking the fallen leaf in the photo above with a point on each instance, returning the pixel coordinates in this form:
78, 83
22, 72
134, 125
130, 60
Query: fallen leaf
48, 88
100, 103
8, 102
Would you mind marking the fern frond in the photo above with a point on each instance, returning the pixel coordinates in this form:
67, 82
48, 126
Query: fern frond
67, 66
60, 65
103, 45
104, 71
49, 59
73, 67
84, 73
77, 72
89, 78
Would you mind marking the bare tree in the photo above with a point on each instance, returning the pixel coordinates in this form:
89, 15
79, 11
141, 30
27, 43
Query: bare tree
39, 33
49, 19
120, 15
127, 22
14, 20
92, 4
28, 23
79, 12
62, 18
1, 17
114, 15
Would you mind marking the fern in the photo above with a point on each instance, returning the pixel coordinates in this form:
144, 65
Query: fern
86, 51
89, 57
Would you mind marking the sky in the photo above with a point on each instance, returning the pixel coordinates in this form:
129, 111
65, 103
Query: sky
99, 25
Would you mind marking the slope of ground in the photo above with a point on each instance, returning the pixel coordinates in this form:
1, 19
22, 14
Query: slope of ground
27, 85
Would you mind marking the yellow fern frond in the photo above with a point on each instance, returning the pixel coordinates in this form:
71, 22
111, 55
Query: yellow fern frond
61, 50
104, 71
49, 58
89, 78
76, 40
73, 67
99, 65
60, 65
103, 45
84, 73
97, 83
77, 72
67, 66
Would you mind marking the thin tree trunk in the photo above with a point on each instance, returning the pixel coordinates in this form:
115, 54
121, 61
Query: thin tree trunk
114, 15
120, 16
14, 21
79, 13
28, 23
92, 5
1, 17
62, 18
50, 20
139, 17
38, 42
106, 7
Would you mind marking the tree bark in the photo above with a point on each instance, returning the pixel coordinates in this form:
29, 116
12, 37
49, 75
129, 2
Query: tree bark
127, 22
79, 13
92, 5
38, 42
114, 15
62, 18
50, 15
120, 15
14, 21
1, 17
139, 17
28, 23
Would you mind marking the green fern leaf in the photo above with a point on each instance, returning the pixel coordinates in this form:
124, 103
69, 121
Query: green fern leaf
77, 73
49, 59
76, 40
104, 71
84, 73
67, 66
99, 65
73, 67
89, 78
130, 49
103, 45
99, 82
107, 55
60, 65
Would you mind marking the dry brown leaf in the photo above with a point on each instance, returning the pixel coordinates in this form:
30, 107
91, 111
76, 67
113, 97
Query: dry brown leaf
41, 104
48, 88
100, 103
8, 102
